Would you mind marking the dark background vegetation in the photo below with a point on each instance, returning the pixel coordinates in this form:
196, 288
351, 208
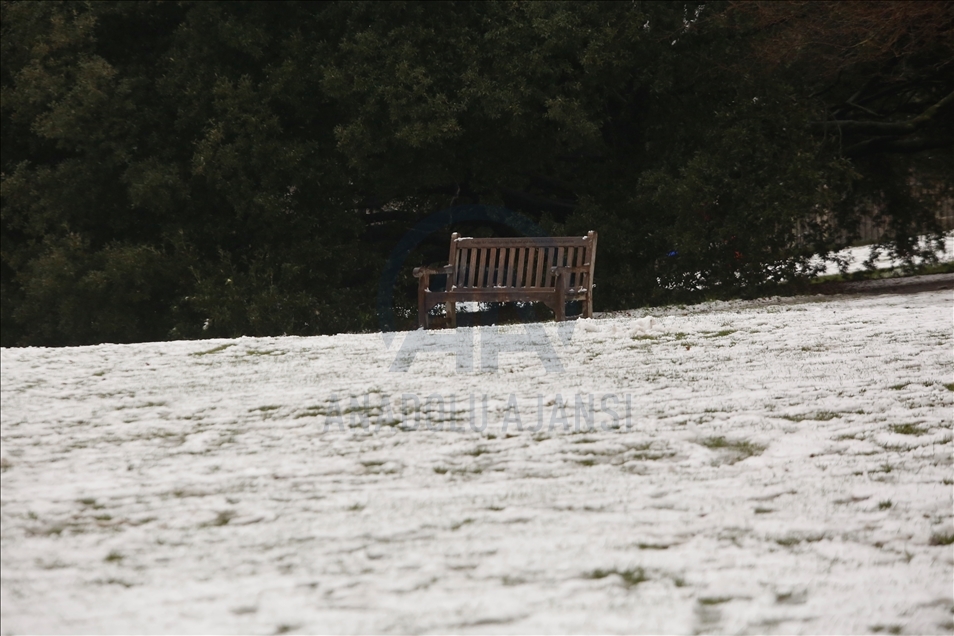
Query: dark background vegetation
197, 169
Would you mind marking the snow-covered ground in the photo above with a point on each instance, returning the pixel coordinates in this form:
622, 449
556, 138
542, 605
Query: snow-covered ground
784, 466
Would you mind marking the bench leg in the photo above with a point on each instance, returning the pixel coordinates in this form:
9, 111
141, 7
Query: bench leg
560, 297
588, 306
452, 314
422, 302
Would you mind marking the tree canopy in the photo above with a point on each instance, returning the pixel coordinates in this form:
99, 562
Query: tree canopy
193, 169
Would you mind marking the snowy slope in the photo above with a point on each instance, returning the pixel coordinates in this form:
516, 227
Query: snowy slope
786, 467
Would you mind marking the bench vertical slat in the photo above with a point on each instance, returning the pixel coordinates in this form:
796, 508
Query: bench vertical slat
558, 261
544, 258
532, 267
567, 261
521, 264
463, 271
588, 307
471, 268
548, 255
472, 271
551, 263
538, 267
502, 269
479, 253
460, 268
514, 279
482, 268
585, 261
498, 265
479, 272
501, 255
511, 266
452, 279
571, 256
521, 267
580, 259
590, 253
493, 267
581, 277
577, 253
474, 277
507, 267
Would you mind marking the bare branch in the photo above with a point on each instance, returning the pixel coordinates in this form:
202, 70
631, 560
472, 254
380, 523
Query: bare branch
895, 145
855, 127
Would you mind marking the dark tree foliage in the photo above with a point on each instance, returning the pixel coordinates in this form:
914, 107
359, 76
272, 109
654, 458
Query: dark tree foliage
884, 74
169, 170
197, 169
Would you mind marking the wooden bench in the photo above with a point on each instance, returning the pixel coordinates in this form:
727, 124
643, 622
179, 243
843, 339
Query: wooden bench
530, 269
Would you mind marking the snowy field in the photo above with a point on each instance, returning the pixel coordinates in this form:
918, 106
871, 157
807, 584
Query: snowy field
775, 466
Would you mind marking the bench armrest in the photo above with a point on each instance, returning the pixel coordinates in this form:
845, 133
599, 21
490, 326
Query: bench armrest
422, 271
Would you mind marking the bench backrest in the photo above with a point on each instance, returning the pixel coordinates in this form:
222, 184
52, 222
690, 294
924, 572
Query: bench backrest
526, 262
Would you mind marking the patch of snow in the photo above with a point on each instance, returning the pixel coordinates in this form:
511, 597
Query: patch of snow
645, 325
855, 257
